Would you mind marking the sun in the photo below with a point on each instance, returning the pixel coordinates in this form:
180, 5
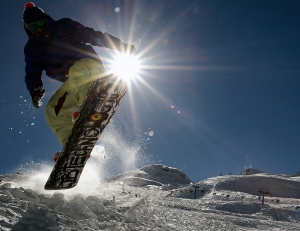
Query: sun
125, 66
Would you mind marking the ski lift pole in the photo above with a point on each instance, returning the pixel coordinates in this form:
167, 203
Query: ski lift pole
263, 192
195, 186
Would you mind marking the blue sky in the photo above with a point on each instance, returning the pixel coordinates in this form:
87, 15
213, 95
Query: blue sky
219, 85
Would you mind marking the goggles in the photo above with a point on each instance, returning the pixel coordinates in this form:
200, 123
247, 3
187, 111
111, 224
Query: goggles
37, 26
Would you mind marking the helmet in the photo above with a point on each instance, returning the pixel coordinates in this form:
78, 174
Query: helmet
32, 13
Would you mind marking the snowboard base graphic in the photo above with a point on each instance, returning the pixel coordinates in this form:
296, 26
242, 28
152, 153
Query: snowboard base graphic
101, 102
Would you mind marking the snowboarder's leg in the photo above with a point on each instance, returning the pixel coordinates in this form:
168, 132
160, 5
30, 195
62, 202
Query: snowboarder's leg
81, 76
59, 110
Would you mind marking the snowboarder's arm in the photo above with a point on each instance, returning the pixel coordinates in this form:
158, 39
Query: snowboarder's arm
96, 38
33, 70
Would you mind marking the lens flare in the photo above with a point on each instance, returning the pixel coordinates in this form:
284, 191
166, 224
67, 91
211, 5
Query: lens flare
125, 66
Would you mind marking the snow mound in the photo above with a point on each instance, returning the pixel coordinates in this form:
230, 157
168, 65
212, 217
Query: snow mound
158, 175
251, 171
277, 186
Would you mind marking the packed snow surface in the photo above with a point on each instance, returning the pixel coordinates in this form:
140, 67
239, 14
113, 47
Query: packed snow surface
155, 197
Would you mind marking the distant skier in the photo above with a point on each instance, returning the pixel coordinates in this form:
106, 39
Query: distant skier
60, 48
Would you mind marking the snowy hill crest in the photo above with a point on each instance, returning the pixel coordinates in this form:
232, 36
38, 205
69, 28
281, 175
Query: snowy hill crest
153, 175
251, 171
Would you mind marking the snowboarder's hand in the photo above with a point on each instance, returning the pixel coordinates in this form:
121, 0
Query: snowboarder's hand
128, 49
37, 96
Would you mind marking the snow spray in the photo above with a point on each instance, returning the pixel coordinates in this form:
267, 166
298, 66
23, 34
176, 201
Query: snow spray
113, 154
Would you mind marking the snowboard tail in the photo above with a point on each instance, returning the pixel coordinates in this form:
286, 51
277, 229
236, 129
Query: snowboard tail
101, 102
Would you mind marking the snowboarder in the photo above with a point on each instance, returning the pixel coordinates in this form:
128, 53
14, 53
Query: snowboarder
60, 48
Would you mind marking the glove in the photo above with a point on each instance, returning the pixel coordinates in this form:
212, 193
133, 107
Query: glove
37, 96
131, 50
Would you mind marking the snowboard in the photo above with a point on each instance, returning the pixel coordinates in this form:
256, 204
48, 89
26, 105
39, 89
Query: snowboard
101, 102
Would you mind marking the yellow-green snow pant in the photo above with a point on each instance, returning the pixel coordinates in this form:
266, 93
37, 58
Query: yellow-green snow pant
59, 110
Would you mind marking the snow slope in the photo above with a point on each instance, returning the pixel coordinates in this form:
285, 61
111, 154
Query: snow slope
151, 198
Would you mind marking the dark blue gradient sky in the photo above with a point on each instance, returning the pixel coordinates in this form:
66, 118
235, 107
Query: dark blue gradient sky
219, 84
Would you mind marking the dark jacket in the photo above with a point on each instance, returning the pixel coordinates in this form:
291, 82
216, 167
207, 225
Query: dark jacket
57, 47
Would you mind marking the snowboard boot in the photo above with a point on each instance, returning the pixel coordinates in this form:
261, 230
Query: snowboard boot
57, 154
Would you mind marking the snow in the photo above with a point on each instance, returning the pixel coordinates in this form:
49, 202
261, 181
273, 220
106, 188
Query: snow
154, 197
251, 171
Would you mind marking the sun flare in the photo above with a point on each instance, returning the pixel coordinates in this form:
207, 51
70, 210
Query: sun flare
125, 66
